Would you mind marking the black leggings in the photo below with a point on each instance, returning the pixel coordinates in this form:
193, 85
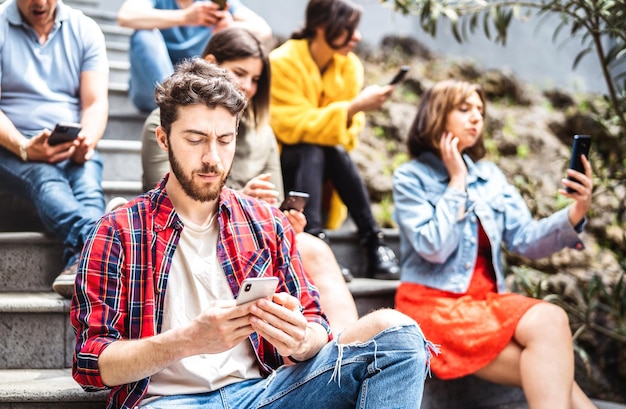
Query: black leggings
306, 167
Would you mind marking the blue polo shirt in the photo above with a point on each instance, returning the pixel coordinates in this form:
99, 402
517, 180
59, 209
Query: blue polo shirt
187, 41
40, 83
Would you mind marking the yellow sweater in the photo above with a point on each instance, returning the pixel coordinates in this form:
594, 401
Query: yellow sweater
310, 107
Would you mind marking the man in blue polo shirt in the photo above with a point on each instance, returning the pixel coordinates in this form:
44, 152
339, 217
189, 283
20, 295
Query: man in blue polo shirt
53, 68
168, 31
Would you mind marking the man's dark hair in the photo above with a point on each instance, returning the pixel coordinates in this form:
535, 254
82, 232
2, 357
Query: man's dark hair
197, 82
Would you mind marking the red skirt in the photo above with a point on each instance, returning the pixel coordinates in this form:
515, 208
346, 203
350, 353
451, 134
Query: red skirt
471, 329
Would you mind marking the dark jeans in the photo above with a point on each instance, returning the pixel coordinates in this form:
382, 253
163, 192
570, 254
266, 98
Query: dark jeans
306, 167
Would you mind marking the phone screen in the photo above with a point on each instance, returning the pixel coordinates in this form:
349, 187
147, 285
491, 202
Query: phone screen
580, 146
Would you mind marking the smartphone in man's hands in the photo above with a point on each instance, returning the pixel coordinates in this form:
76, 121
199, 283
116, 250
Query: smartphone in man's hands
64, 132
580, 147
399, 75
254, 288
295, 201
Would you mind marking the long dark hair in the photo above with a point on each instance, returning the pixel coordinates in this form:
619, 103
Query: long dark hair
336, 16
430, 122
235, 43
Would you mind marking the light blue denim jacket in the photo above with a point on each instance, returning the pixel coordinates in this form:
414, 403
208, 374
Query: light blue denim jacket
438, 248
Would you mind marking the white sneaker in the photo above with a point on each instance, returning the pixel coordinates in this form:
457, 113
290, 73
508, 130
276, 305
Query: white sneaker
114, 204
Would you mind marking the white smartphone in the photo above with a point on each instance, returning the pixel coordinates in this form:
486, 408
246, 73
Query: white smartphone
254, 288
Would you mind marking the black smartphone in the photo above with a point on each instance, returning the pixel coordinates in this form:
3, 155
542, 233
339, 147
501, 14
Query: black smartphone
400, 75
64, 132
295, 200
254, 288
222, 3
580, 147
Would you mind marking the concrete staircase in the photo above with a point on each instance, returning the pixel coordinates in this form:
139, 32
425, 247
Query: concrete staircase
37, 346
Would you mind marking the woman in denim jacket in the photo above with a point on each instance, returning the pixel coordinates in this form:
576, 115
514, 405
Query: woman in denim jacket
455, 212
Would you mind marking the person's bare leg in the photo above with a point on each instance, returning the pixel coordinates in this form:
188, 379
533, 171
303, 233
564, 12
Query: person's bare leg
580, 400
541, 361
320, 263
371, 324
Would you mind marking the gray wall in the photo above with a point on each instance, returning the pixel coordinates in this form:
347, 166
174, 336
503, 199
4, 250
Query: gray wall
529, 53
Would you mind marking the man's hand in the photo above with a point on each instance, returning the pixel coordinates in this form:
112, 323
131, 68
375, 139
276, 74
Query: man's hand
83, 151
39, 150
281, 322
219, 328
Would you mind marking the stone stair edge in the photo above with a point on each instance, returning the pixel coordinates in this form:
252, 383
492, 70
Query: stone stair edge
26, 237
44, 385
33, 302
119, 146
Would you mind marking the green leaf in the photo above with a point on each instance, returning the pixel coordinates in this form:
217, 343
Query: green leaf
580, 56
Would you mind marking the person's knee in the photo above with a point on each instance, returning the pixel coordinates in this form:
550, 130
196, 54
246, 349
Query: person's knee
313, 248
373, 323
318, 258
542, 319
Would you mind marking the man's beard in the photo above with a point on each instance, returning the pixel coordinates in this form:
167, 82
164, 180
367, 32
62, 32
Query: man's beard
186, 182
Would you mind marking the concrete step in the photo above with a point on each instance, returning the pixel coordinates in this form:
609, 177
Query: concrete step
118, 50
118, 70
113, 32
30, 261
122, 160
37, 333
45, 389
125, 121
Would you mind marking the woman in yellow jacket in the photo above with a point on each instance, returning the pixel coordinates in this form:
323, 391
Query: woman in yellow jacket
317, 111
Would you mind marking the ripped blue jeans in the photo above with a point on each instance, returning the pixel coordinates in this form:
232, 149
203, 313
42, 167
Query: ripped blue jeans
385, 372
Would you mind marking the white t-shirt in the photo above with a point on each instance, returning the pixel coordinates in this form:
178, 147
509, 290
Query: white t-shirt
195, 279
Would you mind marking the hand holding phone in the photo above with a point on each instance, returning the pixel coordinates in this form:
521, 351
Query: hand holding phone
580, 147
399, 75
254, 288
295, 200
64, 132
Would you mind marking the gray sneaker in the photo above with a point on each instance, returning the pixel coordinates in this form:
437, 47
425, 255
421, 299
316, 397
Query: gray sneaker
64, 283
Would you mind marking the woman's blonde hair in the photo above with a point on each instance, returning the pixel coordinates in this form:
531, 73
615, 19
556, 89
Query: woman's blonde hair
430, 122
